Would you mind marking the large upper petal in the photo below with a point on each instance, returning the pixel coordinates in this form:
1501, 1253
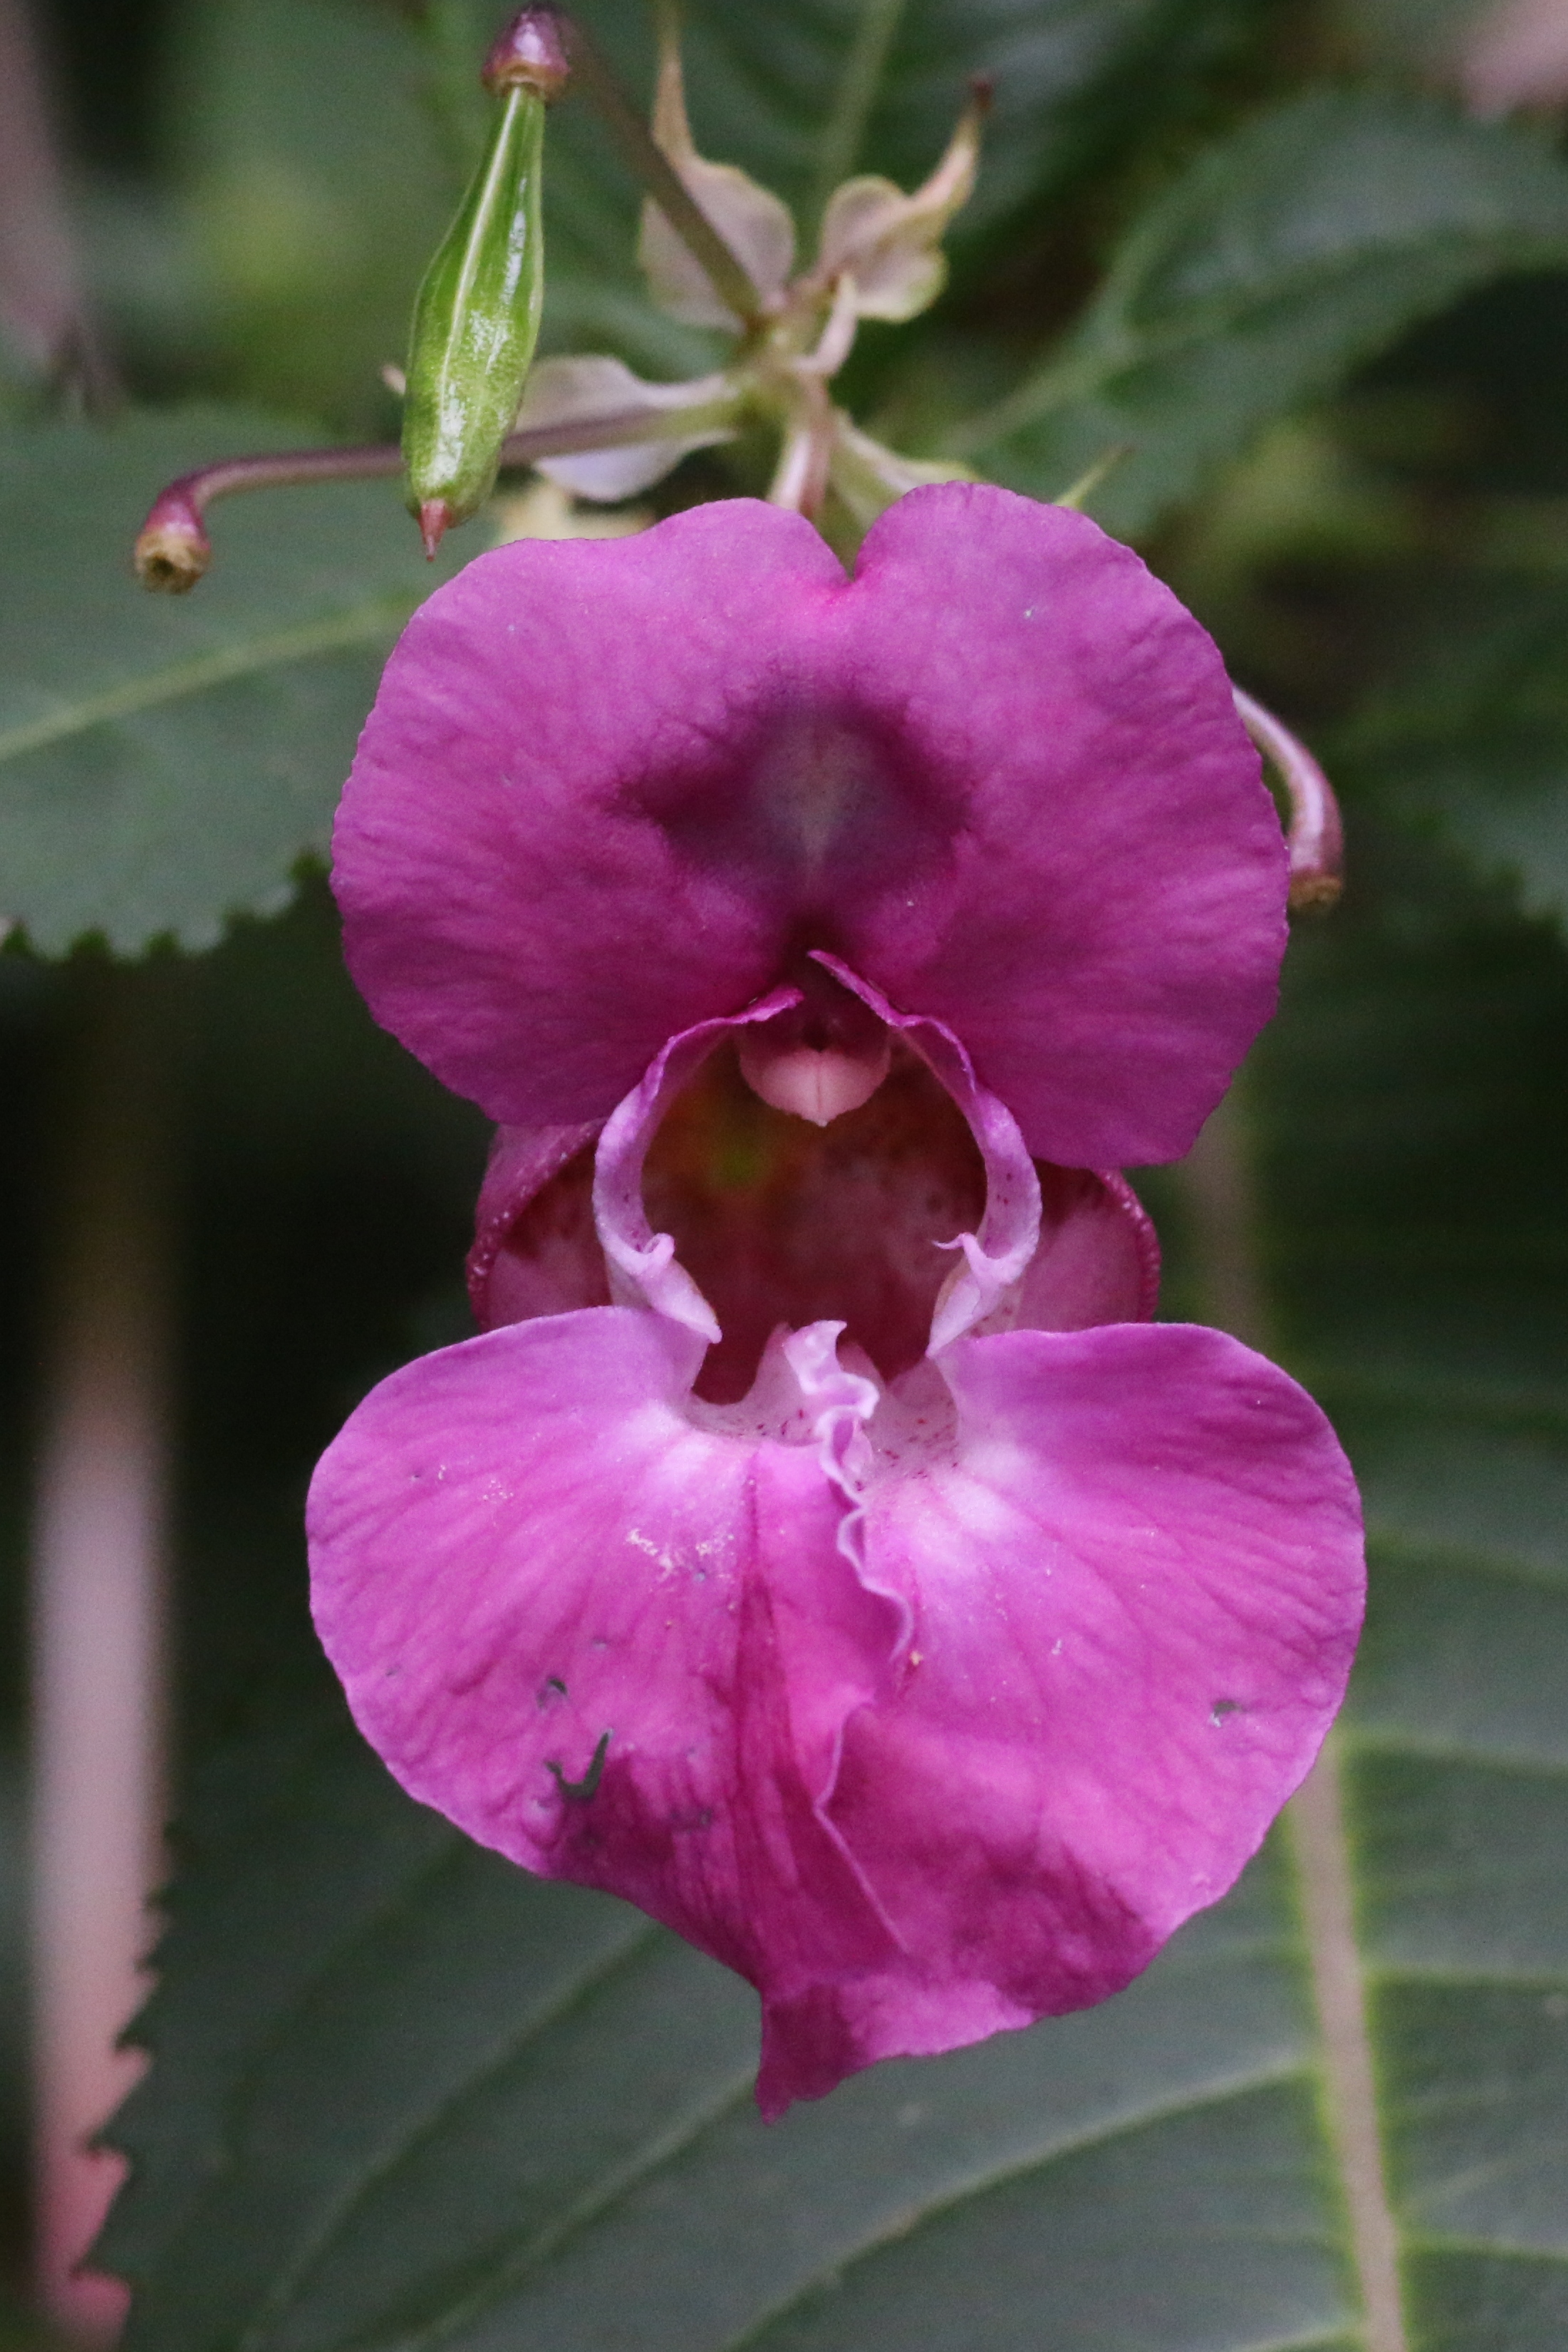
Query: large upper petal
514, 909
613, 789
1105, 930
617, 1646
1137, 1577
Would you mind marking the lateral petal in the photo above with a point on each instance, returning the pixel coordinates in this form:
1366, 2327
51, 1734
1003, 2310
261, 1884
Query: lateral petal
1105, 930
1136, 1581
619, 1647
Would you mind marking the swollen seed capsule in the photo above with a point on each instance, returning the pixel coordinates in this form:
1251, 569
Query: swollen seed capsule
476, 316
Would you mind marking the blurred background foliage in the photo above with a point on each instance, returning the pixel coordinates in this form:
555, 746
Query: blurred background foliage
1261, 244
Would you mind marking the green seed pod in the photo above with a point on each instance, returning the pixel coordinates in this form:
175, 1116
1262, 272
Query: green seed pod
476, 316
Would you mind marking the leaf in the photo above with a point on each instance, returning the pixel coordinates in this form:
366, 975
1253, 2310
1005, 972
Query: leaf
166, 764
1285, 255
403, 2096
1504, 799
1470, 738
805, 98
1417, 1132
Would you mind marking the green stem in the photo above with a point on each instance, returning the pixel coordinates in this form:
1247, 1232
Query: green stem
1221, 1197
727, 273
845, 134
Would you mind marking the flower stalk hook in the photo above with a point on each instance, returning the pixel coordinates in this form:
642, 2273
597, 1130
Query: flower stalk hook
1315, 835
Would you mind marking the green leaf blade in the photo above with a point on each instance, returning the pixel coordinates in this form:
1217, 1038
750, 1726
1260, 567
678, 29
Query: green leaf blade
1288, 253
197, 744
471, 2223
1469, 738
1415, 1135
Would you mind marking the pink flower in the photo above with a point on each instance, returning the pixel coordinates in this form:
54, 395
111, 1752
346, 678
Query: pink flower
846, 1571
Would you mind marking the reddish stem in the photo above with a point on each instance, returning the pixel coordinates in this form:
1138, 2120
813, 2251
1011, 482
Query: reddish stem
1316, 836
172, 548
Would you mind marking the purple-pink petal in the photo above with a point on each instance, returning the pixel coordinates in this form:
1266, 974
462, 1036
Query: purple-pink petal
924, 1741
536, 853
1105, 932
611, 790
1137, 1580
617, 1646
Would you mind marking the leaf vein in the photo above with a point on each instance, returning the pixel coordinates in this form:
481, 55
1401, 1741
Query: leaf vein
910, 2219
332, 632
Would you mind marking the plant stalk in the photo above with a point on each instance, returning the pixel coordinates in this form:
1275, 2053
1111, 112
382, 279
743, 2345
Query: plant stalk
97, 1637
728, 275
172, 548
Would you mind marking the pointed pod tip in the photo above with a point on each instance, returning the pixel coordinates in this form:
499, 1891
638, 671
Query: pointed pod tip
436, 520
530, 53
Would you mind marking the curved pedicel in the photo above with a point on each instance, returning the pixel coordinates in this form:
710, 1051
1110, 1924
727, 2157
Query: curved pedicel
1315, 835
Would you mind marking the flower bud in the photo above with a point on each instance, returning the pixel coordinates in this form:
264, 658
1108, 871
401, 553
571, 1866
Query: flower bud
477, 317
529, 54
173, 550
